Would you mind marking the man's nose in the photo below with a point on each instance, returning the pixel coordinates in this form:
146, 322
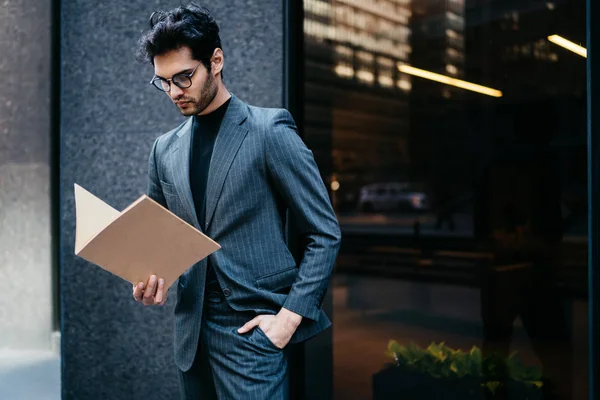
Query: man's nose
175, 92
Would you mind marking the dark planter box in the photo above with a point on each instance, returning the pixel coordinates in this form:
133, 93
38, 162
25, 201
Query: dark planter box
395, 383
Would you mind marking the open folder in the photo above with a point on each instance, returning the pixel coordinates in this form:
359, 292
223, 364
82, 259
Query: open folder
142, 240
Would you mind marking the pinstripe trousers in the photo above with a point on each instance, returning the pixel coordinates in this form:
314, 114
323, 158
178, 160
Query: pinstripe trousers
229, 365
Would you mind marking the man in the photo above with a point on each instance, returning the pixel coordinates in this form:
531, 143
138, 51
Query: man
235, 171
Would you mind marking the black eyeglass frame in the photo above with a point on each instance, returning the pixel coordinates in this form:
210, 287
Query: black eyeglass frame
170, 81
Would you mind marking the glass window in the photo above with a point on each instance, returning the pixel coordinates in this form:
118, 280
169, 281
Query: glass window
453, 136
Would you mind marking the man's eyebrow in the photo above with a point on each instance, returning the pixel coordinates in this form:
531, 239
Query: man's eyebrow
181, 72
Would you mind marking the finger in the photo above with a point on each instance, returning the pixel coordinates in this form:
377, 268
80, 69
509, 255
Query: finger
138, 291
165, 296
159, 292
250, 325
150, 290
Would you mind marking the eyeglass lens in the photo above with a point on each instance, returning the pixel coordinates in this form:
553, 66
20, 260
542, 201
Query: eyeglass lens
181, 81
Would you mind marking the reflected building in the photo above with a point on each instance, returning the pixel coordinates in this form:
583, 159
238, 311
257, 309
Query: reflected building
437, 128
508, 48
367, 121
356, 101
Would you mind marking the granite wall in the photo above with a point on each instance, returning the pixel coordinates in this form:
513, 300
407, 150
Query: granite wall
113, 348
25, 255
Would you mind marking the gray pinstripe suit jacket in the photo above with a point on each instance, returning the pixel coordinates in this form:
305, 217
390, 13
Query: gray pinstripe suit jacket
260, 168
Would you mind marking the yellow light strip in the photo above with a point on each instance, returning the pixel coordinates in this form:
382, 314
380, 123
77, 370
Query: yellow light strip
449, 81
567, 44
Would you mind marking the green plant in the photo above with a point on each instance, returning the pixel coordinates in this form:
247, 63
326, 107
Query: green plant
440, 361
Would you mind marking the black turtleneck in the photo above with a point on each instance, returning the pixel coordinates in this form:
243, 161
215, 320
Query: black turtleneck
204, 133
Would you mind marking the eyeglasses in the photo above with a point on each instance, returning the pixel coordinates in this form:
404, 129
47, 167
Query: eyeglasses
182, 81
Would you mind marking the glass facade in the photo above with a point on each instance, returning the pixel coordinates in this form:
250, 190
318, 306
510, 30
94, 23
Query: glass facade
452, 134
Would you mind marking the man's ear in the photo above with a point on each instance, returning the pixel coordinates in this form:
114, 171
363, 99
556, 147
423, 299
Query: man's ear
217, 61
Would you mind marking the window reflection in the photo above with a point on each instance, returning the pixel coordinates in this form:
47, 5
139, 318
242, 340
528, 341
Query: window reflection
463, 211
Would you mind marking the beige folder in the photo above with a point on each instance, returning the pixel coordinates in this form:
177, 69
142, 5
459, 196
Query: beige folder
142, 240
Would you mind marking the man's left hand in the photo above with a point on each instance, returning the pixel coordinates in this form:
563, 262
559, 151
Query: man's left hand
279, 328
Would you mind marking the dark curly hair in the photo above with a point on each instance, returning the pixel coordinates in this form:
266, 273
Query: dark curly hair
190, 26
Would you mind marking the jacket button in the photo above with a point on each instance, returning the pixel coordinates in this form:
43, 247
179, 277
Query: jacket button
227, 292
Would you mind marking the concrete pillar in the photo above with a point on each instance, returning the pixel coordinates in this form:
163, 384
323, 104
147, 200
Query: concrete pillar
25, 254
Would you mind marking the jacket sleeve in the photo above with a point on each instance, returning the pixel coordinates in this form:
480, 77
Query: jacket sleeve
154, 190
292, 167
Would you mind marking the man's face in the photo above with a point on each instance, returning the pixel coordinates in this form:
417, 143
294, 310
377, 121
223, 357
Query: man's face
194, 99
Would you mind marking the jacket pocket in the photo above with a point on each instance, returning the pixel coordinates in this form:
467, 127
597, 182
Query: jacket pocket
168, 188
278, 282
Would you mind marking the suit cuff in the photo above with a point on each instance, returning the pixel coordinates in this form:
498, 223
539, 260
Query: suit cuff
306, 306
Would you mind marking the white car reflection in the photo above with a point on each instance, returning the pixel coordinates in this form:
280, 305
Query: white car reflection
391, 196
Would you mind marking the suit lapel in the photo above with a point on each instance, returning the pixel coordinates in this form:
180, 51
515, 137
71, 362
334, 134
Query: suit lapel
230, 137
181, 170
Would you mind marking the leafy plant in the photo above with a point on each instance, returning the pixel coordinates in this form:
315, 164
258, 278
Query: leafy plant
440, 361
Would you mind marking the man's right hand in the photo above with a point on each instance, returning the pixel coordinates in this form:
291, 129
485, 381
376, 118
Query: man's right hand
151, 294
